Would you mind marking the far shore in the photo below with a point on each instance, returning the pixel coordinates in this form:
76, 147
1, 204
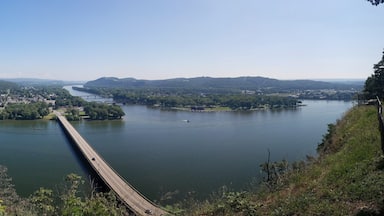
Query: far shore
226, 109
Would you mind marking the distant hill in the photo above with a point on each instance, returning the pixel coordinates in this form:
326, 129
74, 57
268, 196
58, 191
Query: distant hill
360, 82
4, 85
239, 83
34, 82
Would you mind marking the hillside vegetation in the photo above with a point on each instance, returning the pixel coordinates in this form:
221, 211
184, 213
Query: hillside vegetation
4, 86
346, 179
219, 84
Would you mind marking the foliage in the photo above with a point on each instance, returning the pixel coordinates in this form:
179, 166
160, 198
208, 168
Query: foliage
326, 145
10, 202
36, 110
202, 91
101, 204
179, 99
376, 2
374, 85
42, 200
274, 173
223, 202
5, 85
64, 98
98, 111
2, 208
7, 191
32, 104
67, 202
72, 204
72, 114
211, 85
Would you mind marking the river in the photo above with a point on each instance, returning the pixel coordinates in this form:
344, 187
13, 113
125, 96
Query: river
160, 151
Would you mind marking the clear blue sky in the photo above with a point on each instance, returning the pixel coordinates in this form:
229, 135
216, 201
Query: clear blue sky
157, 39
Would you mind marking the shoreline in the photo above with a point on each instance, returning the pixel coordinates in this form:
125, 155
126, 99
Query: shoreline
225, 109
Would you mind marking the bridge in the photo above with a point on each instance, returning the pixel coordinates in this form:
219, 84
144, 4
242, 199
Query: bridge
97, 98
135, 201
91, 97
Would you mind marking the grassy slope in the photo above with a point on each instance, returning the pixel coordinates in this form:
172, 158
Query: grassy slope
347, 181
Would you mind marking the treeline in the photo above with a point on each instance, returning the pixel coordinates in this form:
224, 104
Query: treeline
5, 85
374, 85
267, 85
64, 99
169, 99
95, 111
66, 201
22, 111
34, 103
233, 101
98, 111
345, 96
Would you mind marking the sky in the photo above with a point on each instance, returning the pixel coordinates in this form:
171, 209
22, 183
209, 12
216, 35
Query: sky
84, 40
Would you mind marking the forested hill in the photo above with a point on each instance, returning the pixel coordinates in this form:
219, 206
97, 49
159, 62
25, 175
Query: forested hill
4, 85
41, 82
243, 83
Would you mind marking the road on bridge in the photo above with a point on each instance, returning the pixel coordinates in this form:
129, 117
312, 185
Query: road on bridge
127, 194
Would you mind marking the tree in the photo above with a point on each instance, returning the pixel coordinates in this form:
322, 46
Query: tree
374, 85
73, 204
103, 204
42, 199
10, 202
376, 2
2, 208
8, 193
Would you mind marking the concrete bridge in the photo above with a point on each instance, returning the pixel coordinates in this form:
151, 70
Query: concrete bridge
135, 201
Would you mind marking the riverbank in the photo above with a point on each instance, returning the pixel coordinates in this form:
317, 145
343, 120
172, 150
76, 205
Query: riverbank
226, 109
347, 179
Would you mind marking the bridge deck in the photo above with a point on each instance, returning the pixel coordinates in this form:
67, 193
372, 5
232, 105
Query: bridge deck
127, 194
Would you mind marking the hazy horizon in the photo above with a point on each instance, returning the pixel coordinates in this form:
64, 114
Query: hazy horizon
286, 40
324, 79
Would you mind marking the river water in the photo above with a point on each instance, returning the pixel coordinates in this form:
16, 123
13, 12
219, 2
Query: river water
160, 151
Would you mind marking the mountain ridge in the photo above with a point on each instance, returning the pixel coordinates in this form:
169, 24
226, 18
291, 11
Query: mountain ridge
246, 82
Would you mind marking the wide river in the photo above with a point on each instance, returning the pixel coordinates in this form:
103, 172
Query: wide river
160, 151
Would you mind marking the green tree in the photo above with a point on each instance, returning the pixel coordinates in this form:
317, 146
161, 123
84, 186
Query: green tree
98, 111
376, 2
97, 204
42, 200
11, 203
4, 115
104, 204
7, 191
116, 112
2, 208
374, 85
73, 204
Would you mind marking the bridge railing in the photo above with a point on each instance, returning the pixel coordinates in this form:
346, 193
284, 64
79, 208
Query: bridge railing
381, 121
